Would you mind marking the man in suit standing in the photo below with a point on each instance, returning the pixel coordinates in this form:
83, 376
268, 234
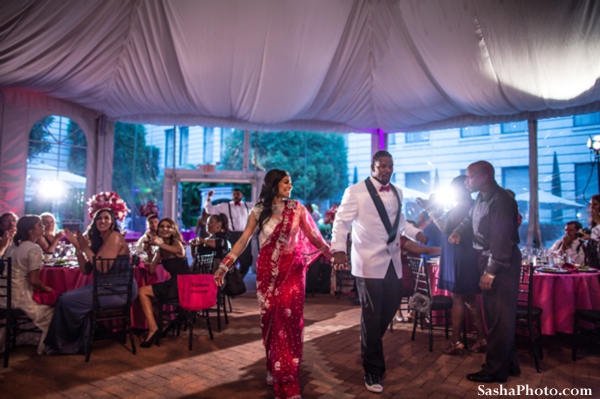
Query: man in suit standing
373, 208
493, 220
237, 212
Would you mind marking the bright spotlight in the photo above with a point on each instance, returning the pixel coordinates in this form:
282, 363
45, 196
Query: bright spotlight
51, 189
593, 144
446, 196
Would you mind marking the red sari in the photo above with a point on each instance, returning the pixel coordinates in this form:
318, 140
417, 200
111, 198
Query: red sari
280, 284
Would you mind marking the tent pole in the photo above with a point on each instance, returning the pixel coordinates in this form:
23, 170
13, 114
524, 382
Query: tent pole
534, 232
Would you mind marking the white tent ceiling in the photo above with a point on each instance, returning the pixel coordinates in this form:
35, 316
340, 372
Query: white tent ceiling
335, 65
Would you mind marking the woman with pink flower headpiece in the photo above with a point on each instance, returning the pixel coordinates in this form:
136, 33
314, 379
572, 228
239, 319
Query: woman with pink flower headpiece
69, 329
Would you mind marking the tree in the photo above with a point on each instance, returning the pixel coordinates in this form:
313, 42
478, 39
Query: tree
77, 144
317, 162
38, 143
135, 167
556, 189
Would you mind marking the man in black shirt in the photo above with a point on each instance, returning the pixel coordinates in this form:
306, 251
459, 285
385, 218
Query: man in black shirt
493, 220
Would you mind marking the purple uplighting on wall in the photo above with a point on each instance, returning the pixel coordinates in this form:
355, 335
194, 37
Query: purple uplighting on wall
381, 139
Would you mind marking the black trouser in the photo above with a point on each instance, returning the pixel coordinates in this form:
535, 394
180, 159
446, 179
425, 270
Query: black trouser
379, 299
500, 309
245, 258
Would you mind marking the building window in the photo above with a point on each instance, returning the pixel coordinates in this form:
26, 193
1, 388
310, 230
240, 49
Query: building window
209, 143
56, 169
586, 181
516, 178
417, 137
514, 127
475, 131
169, 148
184, 134
418, 181
587, 119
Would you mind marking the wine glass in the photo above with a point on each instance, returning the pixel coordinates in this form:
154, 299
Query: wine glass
58, 249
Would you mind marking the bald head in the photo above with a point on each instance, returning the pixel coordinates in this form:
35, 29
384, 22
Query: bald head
480, 176
483, 167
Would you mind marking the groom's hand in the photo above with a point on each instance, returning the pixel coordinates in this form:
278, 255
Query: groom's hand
340, 261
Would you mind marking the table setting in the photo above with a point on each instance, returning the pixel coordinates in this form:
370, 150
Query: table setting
559, 287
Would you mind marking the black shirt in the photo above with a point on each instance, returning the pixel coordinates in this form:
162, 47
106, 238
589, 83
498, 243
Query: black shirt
493, 220
221, 245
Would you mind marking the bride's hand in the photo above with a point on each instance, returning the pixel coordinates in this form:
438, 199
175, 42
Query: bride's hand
219, 276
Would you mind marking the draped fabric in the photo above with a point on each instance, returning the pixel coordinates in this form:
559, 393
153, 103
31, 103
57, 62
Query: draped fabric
337, 65
280, 287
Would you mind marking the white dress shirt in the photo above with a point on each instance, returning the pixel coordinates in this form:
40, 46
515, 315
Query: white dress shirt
576, 252
239, 213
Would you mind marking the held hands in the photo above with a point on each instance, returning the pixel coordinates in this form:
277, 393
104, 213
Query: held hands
340, 261
454, 238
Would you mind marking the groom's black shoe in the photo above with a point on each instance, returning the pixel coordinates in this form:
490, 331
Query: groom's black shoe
483, 376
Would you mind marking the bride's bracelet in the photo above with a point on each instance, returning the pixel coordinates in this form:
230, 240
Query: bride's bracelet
224, 268
227, 262
325, 250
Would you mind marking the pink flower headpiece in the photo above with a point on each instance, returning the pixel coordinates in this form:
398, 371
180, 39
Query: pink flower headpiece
330, 215
150, 208
108, 199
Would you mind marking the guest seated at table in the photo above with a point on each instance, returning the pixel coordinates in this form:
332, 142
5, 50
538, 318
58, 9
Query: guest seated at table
143, 244
458, 272
51, 237
70, 327
8, 223
217, 240
26, 264
570, 246
171, 254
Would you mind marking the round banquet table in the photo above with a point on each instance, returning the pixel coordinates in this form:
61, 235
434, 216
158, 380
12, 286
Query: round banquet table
560, 294
64, 279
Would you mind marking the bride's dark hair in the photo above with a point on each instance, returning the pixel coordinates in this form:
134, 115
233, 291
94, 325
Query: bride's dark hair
268, 191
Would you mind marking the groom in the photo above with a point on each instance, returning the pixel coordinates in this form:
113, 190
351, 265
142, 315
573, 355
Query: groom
373, 208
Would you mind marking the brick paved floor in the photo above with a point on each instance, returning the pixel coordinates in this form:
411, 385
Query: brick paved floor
232, 365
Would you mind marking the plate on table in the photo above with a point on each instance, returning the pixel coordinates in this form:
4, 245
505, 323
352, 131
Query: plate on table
552, 270
58, 263
586, 269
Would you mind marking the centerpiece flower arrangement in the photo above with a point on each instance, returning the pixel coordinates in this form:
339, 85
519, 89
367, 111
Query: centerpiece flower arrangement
330, 215
149, 208
328, 219
108, 199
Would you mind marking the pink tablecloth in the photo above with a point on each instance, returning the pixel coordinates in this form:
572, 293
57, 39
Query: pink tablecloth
560, 294
65, 278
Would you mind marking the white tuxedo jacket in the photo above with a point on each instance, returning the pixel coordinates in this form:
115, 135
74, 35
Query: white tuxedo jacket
370, 255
